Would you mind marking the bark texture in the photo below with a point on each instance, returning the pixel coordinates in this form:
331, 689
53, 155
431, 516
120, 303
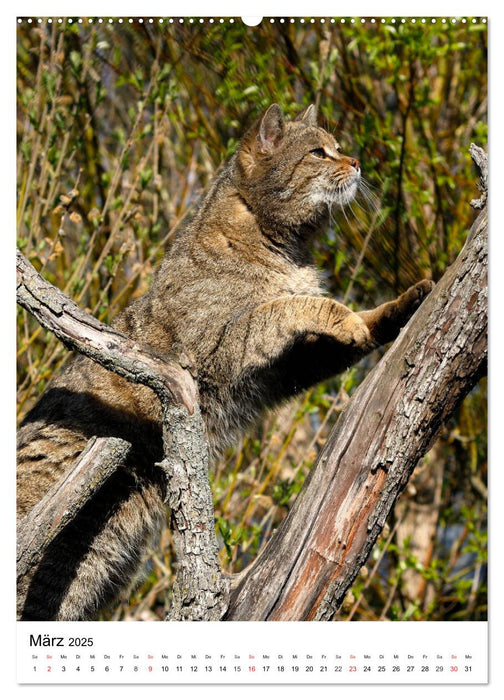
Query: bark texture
395, 415
201, 590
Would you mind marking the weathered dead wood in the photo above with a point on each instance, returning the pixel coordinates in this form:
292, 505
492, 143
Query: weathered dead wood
480, 159
200, 591
309, 564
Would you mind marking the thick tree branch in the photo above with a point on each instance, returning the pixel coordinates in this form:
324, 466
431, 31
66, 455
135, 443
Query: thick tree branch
312, 560
480, 159
201, 590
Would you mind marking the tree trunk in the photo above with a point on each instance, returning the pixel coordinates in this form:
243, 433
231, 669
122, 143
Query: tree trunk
305, 570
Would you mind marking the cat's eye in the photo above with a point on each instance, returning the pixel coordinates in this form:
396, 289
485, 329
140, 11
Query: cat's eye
319, 153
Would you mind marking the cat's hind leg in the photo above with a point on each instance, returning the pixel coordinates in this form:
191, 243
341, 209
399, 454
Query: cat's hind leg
92, 562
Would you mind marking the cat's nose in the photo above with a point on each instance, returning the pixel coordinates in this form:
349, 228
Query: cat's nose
355, 163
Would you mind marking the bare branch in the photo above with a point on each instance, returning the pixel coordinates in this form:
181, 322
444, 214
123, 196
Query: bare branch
201, 590
480, 159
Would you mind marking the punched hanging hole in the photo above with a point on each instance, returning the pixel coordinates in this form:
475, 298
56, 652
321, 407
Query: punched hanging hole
251, 21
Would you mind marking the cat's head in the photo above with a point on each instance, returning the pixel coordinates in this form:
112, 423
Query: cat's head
292, 173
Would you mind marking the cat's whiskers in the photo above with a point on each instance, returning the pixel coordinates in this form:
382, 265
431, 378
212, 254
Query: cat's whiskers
369, 197
339, 198
343, 193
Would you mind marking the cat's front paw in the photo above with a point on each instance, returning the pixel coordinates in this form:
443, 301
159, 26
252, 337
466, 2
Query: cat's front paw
413, 297
353, 330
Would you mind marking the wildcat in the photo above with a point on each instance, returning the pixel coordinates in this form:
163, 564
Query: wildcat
239, 291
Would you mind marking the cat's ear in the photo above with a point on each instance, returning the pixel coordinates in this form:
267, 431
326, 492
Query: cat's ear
271, 130
308, 116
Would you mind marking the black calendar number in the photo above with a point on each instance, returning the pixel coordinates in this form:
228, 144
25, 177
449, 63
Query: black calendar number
80, 642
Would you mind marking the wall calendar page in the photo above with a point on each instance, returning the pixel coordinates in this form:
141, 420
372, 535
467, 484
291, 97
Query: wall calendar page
252, 349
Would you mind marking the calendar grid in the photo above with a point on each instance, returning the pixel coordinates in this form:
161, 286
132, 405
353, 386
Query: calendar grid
248, 653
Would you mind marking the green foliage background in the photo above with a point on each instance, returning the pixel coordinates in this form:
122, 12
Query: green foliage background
121, 125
